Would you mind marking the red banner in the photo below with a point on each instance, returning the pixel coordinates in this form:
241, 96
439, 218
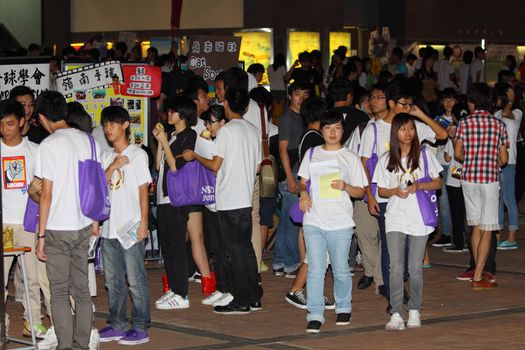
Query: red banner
141, 80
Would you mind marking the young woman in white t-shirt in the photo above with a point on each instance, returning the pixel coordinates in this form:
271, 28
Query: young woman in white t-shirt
335, 174
396, 174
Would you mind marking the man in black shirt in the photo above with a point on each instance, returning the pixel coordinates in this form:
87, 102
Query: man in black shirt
342, 93
305, 74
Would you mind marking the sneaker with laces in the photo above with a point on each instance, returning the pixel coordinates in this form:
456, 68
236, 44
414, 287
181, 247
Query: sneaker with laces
39, 329
213, 297
224, 300
50, 341
196, 277
396, 323
297, 299
443, 241
134, 337
313, 327
107, 334
343, 319
489, 277
453, 249
483, 284
164, 296
173, 302
414, 320
291, 274
466, 276
232, 309
328, 305
506, 245
278, 272
94, 340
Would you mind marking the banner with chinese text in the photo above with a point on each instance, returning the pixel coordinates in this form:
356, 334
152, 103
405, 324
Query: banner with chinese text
32, 75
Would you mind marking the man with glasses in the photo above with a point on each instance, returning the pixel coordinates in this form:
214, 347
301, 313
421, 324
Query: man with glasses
396, 99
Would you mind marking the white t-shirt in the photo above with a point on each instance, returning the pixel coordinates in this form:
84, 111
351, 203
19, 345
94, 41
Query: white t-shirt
124, 188
253, 115
161, 199
354, 141
276, 78
199, 127
464, 70
18, 168
252, 82
100, 137
238, 143
403, 215
57, 161
476, 66
513, 127
454, 164
424, 132
444, 69
334, 214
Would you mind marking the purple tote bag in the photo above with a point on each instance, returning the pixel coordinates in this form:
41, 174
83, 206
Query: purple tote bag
93, 188
427, 200
192, 184
371, 165
31, 216
295, 212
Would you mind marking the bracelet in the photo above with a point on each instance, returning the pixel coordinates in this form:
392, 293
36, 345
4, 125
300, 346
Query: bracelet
41, 237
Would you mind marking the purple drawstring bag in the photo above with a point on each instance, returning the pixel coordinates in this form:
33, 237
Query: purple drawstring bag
192, 184
427, 200
295, 212
31, 216
93, 188
371, 165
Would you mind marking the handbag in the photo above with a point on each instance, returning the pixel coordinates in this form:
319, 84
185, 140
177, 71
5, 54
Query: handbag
371, 165
427, 200
31, 216
268, 173
193, 184
93, 188
295, 212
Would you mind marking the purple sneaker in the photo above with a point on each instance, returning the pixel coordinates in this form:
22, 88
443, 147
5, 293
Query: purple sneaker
110, 334
134, 337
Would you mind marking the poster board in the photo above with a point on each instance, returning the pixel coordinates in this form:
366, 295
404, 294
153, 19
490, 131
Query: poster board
256, 47
96, 99
339, 39
33, 73
301, 41
210, 55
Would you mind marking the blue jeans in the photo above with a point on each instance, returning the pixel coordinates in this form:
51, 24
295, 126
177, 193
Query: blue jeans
507, 182
118, 264
337, 245
445, 220
286, 234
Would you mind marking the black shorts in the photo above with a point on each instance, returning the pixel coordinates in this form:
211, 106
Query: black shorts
195, 208
266, 210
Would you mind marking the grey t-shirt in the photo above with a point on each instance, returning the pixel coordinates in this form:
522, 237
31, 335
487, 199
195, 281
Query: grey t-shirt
291, 129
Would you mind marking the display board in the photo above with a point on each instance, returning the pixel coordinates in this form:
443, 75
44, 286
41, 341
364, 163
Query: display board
301, 41
256, 47
339, 39
33, 73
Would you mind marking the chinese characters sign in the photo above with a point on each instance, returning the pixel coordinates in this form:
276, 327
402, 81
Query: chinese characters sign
141, 80
210, 55
94, 76
34, 76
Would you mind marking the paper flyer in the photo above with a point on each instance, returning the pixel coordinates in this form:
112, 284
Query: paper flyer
326, 190
127, 234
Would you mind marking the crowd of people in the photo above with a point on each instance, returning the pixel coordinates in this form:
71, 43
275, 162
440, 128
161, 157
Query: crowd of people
370, 168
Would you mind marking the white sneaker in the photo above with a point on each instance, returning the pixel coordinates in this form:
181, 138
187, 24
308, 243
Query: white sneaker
50, 341
174, 302
414, 320
396, 323
164, 296
94, 340
225, 300
212, 298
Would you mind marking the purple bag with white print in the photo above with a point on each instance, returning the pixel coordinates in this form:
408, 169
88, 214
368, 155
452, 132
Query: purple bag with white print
93, 188
192, 184
427, 200
31, 216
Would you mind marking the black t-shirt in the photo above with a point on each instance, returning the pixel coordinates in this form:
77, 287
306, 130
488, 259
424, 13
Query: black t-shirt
185, 140
175, 81
36, 134
353, 117
311, 138
310, 77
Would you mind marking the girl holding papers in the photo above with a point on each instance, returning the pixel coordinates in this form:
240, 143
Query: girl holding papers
330, 175
404, 174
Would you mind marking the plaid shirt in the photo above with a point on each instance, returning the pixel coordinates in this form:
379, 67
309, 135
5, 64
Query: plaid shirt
482, 135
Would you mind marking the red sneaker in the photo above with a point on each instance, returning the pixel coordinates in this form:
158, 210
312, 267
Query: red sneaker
466, 276
489, 277
483, 284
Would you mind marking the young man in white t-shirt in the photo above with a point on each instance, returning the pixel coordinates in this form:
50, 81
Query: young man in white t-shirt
18, 167
477, 67
398, 98
64, 231
128, 178
236, 162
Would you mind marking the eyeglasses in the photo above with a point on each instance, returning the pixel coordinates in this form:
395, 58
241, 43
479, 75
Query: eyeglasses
373, 98
406, 104
210, 122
